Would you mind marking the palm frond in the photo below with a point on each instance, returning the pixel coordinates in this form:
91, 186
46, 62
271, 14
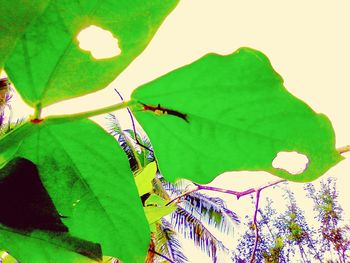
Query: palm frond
5, 128
177, 188
158, 187
193, 228
115, 129
145, 155
211, 210
113, 125
167, 242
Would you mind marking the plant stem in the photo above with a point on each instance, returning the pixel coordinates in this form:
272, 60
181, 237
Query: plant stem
134, 152
37, 111
133, 124
92, 113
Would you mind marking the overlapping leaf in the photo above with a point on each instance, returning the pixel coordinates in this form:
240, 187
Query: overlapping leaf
232, 112
47, 64
88, 178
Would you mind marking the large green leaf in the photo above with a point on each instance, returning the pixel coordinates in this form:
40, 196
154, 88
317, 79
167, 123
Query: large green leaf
42, 247
16, 15
47, 64
88, 178
232, 112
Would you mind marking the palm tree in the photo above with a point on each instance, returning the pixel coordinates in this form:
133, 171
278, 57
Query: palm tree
196, 213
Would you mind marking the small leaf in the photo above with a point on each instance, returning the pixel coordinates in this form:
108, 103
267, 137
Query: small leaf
154, 213
154, 199
153, 227
144, 178
47, 64
89, 181
230, 113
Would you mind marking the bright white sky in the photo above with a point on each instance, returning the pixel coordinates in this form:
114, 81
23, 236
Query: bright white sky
307, 42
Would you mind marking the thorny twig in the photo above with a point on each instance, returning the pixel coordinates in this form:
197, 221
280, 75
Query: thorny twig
238, 194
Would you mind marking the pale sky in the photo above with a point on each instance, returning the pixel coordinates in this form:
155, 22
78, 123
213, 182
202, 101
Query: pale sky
308, 45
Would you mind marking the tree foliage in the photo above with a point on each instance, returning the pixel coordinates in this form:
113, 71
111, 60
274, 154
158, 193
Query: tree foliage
287, 235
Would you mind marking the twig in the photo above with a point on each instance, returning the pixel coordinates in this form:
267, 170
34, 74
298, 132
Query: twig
255, 224
133, 123
181, 195
238, 194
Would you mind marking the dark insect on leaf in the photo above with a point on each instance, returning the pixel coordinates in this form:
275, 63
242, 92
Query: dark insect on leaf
25, 203
161, 110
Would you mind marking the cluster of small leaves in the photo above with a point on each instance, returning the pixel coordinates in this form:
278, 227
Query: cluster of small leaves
334, 234
245, 247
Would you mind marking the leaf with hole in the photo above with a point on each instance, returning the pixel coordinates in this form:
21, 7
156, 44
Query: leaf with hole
225, 113
47, 64
86, 192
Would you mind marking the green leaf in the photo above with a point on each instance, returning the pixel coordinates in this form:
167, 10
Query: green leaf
154, 199
153, 227
154, 213
15, 16
230, 113
47, 64
89, 180
144, 178
43, 247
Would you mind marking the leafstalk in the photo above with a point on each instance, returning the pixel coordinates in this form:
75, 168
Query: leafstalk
92, 113
37, 111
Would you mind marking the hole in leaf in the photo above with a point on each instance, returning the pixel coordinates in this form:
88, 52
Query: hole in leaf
99, 42
292, 162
